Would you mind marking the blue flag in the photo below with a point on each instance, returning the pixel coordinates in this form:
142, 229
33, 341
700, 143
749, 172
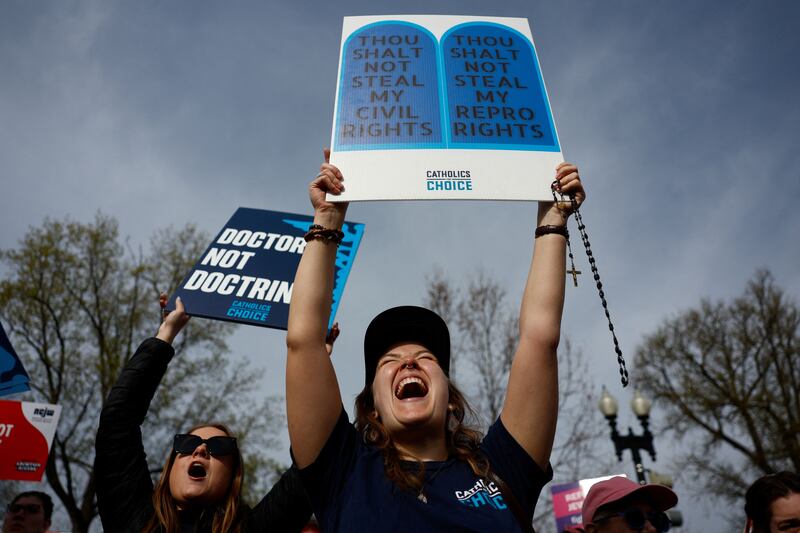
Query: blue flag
13, 377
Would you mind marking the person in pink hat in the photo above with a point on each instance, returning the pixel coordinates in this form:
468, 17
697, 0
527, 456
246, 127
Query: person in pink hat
619, 505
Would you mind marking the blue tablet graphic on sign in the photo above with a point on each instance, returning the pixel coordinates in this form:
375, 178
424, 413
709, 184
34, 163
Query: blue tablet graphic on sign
495, 93
480, 88
389, 90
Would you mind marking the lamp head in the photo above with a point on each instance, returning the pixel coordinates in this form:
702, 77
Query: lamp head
641, 404
608, 404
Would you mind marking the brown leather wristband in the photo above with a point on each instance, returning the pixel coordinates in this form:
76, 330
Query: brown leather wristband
547, 229
317, 232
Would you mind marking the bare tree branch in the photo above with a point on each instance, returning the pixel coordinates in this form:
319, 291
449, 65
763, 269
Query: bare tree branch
727, 374
74, 301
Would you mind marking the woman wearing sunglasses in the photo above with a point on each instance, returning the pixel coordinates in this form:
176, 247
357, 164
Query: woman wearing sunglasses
410, 463
201, 483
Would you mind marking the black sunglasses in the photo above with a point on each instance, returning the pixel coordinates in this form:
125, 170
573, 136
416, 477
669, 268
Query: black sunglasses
186, 444
635, 518
30, 508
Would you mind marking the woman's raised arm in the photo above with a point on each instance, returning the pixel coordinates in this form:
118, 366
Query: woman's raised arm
313, 400
122, 477
531, 405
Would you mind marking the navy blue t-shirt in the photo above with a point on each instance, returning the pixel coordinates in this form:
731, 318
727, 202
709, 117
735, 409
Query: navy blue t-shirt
350, 492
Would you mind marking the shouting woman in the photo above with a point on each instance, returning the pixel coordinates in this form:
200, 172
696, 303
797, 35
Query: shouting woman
201, 483
409, 463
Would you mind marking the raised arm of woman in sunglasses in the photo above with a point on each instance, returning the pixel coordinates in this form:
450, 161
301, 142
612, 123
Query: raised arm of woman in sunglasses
122, 476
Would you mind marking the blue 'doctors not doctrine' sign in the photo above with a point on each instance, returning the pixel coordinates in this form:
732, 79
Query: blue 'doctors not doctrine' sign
246, 274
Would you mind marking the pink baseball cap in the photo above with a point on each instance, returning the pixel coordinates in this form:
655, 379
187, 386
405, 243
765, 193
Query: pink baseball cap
616, 488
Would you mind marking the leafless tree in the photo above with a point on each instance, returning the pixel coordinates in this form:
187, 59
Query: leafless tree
441, 298
728, 376
485, 333
76, 302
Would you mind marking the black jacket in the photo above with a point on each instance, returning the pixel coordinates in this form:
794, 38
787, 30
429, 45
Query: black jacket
123, 483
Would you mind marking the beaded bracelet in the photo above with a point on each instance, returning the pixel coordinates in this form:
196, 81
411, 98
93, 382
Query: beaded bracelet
317, 232
547, 229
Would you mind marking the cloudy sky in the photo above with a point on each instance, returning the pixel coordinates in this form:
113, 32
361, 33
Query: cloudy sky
681, 115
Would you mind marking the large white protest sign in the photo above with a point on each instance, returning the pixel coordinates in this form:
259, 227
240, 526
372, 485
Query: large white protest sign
442, 107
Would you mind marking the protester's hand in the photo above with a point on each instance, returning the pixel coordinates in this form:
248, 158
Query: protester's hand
567, 183
333, 334
329, 180
173, 323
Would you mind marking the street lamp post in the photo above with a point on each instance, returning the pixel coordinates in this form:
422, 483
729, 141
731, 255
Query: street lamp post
635, 443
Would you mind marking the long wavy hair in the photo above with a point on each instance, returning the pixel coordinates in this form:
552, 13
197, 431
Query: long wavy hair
224, 517
462, 441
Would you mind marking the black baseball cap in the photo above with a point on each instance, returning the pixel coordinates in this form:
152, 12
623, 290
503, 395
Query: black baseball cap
407, 323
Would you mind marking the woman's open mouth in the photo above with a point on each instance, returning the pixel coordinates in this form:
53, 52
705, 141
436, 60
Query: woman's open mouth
410, 387
197, 471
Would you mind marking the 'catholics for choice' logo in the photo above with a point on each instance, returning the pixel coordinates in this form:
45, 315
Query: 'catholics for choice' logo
448, 180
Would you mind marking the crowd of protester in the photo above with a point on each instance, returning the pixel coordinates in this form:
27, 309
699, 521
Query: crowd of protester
410, 461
